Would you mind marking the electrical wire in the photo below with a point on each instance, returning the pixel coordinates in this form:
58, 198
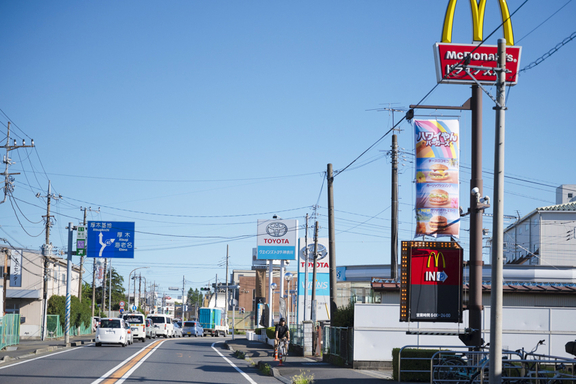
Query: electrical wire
542, 23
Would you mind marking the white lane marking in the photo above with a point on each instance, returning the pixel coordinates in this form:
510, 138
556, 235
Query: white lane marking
38, 358
110, 372
233, 365
129, 373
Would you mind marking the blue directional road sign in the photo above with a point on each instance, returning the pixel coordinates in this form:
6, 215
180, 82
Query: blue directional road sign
110, 239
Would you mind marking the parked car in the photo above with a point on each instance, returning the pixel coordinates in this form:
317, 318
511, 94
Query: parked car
192, 328
163, 325
113, 331
150, 329
177, 330
137, 325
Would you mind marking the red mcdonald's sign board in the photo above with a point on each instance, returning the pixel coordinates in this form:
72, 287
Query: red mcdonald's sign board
431, 281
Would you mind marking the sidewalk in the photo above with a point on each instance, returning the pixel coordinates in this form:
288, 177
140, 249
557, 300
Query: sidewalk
31, 348
261, 353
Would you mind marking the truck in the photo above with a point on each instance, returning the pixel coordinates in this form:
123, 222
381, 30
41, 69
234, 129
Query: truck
213, 321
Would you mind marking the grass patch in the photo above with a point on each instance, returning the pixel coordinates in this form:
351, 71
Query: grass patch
303, 378
240, 355
266, 369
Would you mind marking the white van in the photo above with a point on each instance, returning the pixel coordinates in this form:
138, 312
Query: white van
137, 325
163, 325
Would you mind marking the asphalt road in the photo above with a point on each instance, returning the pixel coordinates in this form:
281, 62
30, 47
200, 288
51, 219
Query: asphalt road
182, 360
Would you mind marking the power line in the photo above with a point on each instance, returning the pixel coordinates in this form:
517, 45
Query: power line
545, 56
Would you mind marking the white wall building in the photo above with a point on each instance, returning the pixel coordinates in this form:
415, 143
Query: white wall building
546, 236
26, 299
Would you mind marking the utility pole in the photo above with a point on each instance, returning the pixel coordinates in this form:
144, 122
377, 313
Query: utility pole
46, 253
93, 284
68, 280
4, 277
226, 294
110, 290
331, 243
305, 317
183, 284
314, 275
103, 307
8, 186
81, 263
498, 223
139, 289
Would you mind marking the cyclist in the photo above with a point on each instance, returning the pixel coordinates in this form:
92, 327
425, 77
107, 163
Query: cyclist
282, 333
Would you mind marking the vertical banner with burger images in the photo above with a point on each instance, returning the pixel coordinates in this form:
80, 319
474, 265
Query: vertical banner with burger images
437, 174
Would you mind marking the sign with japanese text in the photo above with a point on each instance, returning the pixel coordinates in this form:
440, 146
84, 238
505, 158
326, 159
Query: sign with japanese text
110, 239
15, 269
322, 279
468, 63
431, 282
437, 177
480, 63
81, 241
277, 239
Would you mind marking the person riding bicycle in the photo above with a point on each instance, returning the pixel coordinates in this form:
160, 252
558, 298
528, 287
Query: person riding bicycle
282, 332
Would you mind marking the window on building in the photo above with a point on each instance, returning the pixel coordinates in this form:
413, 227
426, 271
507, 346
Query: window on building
63, 278
570, 195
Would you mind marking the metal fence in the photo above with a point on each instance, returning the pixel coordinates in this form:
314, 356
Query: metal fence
54, 328
297, 335
9, 330
339, 341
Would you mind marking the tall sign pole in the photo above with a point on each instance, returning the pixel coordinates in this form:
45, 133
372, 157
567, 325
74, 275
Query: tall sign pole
498, 223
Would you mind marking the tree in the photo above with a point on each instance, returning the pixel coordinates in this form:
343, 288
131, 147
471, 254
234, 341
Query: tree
194, 297
118, 292
80, 312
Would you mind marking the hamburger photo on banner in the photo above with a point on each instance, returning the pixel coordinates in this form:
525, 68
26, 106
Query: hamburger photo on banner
438, 223
438, 197
438, 172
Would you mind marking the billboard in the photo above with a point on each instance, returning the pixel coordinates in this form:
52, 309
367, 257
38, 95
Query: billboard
465, 63
431, 282
15, 269
437, 178
322, 280
277, 239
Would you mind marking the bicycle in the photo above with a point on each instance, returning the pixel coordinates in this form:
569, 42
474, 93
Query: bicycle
283, 349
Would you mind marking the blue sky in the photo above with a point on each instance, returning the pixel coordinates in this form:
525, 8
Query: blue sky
195, 119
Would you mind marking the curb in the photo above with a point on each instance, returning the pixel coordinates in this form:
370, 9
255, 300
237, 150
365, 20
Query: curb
275, 372
39, 351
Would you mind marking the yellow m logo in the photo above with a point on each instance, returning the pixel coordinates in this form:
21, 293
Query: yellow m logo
477, 21
436, 257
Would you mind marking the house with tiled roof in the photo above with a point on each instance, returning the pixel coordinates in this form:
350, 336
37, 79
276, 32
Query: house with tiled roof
547, 235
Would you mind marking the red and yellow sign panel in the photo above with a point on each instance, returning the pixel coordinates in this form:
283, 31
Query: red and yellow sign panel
431, 282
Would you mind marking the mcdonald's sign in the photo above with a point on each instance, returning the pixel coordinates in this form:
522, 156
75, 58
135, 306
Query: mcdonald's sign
431, 282
480, 60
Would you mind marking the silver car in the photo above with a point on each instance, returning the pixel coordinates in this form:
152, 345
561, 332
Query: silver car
192, 328
177, 330
150, 329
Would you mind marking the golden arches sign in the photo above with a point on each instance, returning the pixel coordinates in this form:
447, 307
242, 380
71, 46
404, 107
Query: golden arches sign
436, 256
478, 9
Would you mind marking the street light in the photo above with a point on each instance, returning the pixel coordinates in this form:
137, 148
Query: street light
134, 283
273, 286
288, 276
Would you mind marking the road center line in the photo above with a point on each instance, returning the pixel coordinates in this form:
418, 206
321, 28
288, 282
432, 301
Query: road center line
233, 365
123, 370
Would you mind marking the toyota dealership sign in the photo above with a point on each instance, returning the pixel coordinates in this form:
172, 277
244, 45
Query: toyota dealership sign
277, 239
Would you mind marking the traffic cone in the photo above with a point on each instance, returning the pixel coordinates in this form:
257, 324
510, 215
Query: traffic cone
280, 360
276, 355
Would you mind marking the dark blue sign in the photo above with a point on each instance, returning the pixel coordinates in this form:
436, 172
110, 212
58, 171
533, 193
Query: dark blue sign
110, 239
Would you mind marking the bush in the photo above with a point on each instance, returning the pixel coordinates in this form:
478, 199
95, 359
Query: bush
303, 378
80, 312
344, 316
258, 331
412, 365
271, 332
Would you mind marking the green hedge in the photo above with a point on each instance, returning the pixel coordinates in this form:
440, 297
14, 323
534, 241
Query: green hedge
80, 312
413, 365
271, 332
